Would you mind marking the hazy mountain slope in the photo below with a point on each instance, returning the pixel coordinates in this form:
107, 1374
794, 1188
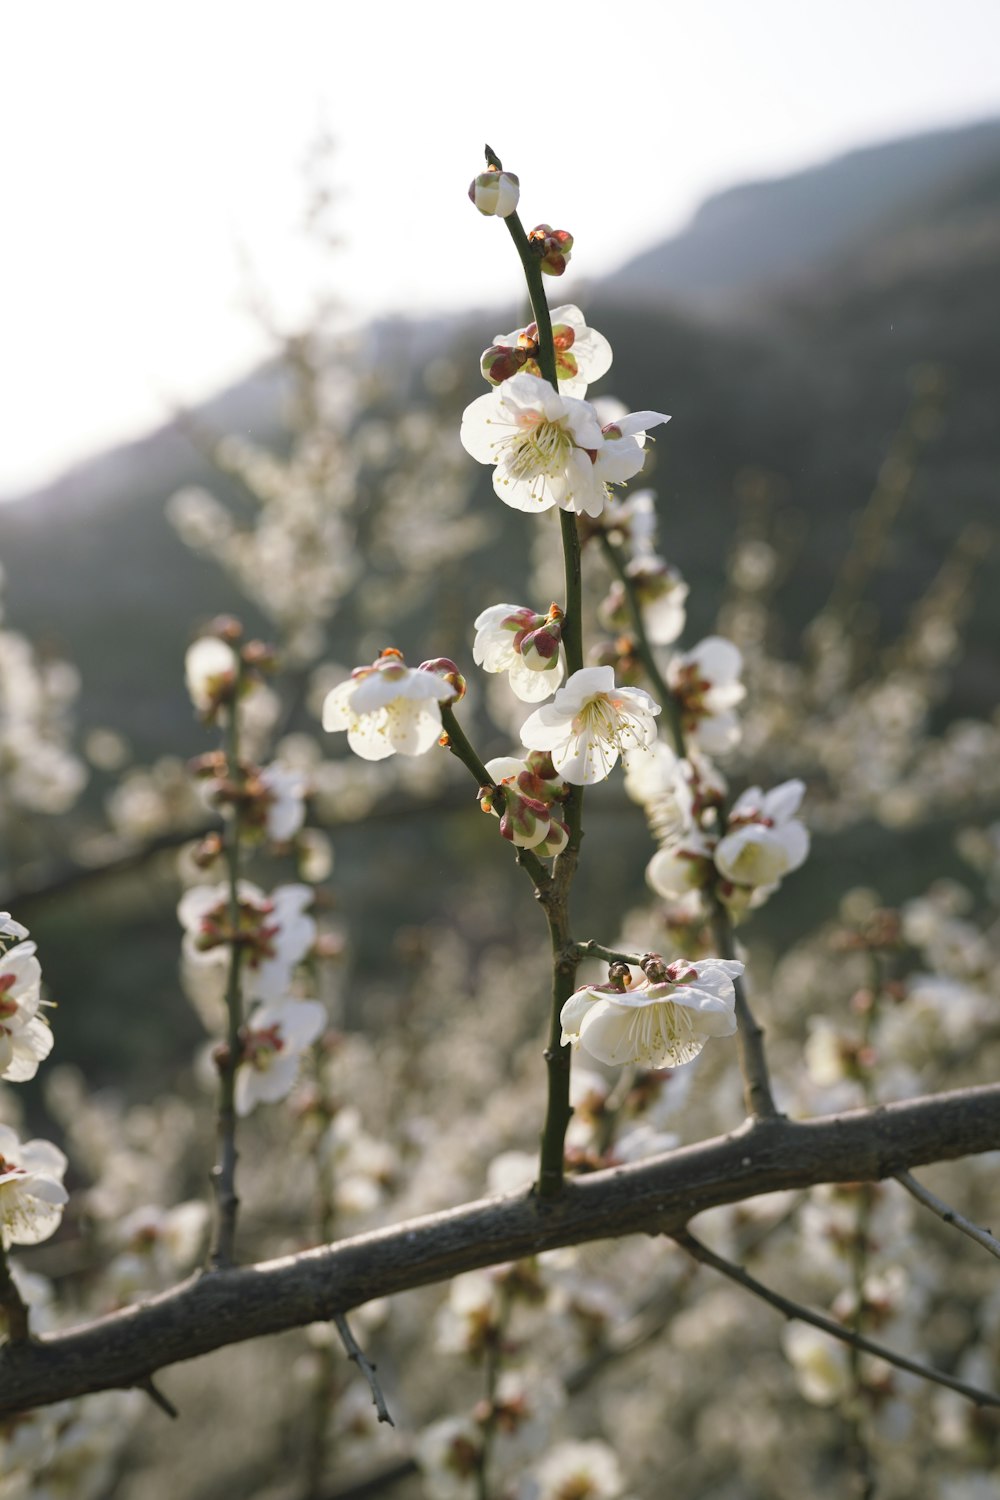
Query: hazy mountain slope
762, 234
809, 391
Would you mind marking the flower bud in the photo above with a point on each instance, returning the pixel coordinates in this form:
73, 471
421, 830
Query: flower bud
445, 668
540, 648
495, 192
499, 362
552, 246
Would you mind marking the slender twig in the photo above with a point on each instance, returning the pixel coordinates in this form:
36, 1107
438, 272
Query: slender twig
461, 747
750, 1038
949, 1215
659, 1196
224, 1171
357, 1354
846, 1335
590, 949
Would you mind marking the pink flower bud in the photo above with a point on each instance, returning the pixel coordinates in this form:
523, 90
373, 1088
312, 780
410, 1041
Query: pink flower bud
500, 362
495, 192
552, 246
540, 648
444, 667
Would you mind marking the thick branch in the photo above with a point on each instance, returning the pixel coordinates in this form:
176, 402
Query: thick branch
656, 1196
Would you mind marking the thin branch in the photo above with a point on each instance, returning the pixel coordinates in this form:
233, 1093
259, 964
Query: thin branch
949, 1215
657, 1196
590, 949
753, 1059
836, 1330
357, 1354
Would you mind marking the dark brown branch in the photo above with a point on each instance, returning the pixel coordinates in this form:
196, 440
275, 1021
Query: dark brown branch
949, 1215
655, 1197
357, 1354
797, 1312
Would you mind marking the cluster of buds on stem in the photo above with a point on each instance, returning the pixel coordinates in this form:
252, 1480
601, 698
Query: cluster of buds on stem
531, 794
219, 669
552, 247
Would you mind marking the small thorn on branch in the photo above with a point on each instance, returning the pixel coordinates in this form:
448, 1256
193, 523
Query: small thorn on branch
357, 1354
157, 1397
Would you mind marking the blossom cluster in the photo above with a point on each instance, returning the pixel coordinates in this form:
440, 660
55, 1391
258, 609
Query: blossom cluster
32, 1196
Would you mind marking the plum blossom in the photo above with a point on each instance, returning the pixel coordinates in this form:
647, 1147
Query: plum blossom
525, 645
531, 796
571, 1469
659, 1023
706, 683
32, 1196
389, 707
582, 354
550, 449
764, 841
210, 671
589, 723
284, 802
274, 1040
11, 931
683, 864
661, 593
274, 931
25, 1037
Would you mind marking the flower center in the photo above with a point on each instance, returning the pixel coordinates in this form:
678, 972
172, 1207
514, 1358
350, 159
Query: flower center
539, 449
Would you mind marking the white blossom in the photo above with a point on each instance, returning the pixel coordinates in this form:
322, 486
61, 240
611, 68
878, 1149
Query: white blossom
660, 1024
582, 354
525, 645
589, 723
706, 682
25, 1037
275, 931
589, 1470
388, 708
549, 449
274, 1040
210, 667
32, 1195
764, 841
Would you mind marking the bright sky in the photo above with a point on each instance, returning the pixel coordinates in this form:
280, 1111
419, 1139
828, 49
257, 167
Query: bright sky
148, 144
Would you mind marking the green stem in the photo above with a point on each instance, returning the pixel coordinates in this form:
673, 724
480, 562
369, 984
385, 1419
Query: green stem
461, 746
556, 898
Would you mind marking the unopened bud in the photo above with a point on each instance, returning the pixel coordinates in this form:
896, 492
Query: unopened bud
552, 246
259, 655
207, 851
443, 666
500, 361
226, 627
495, 192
